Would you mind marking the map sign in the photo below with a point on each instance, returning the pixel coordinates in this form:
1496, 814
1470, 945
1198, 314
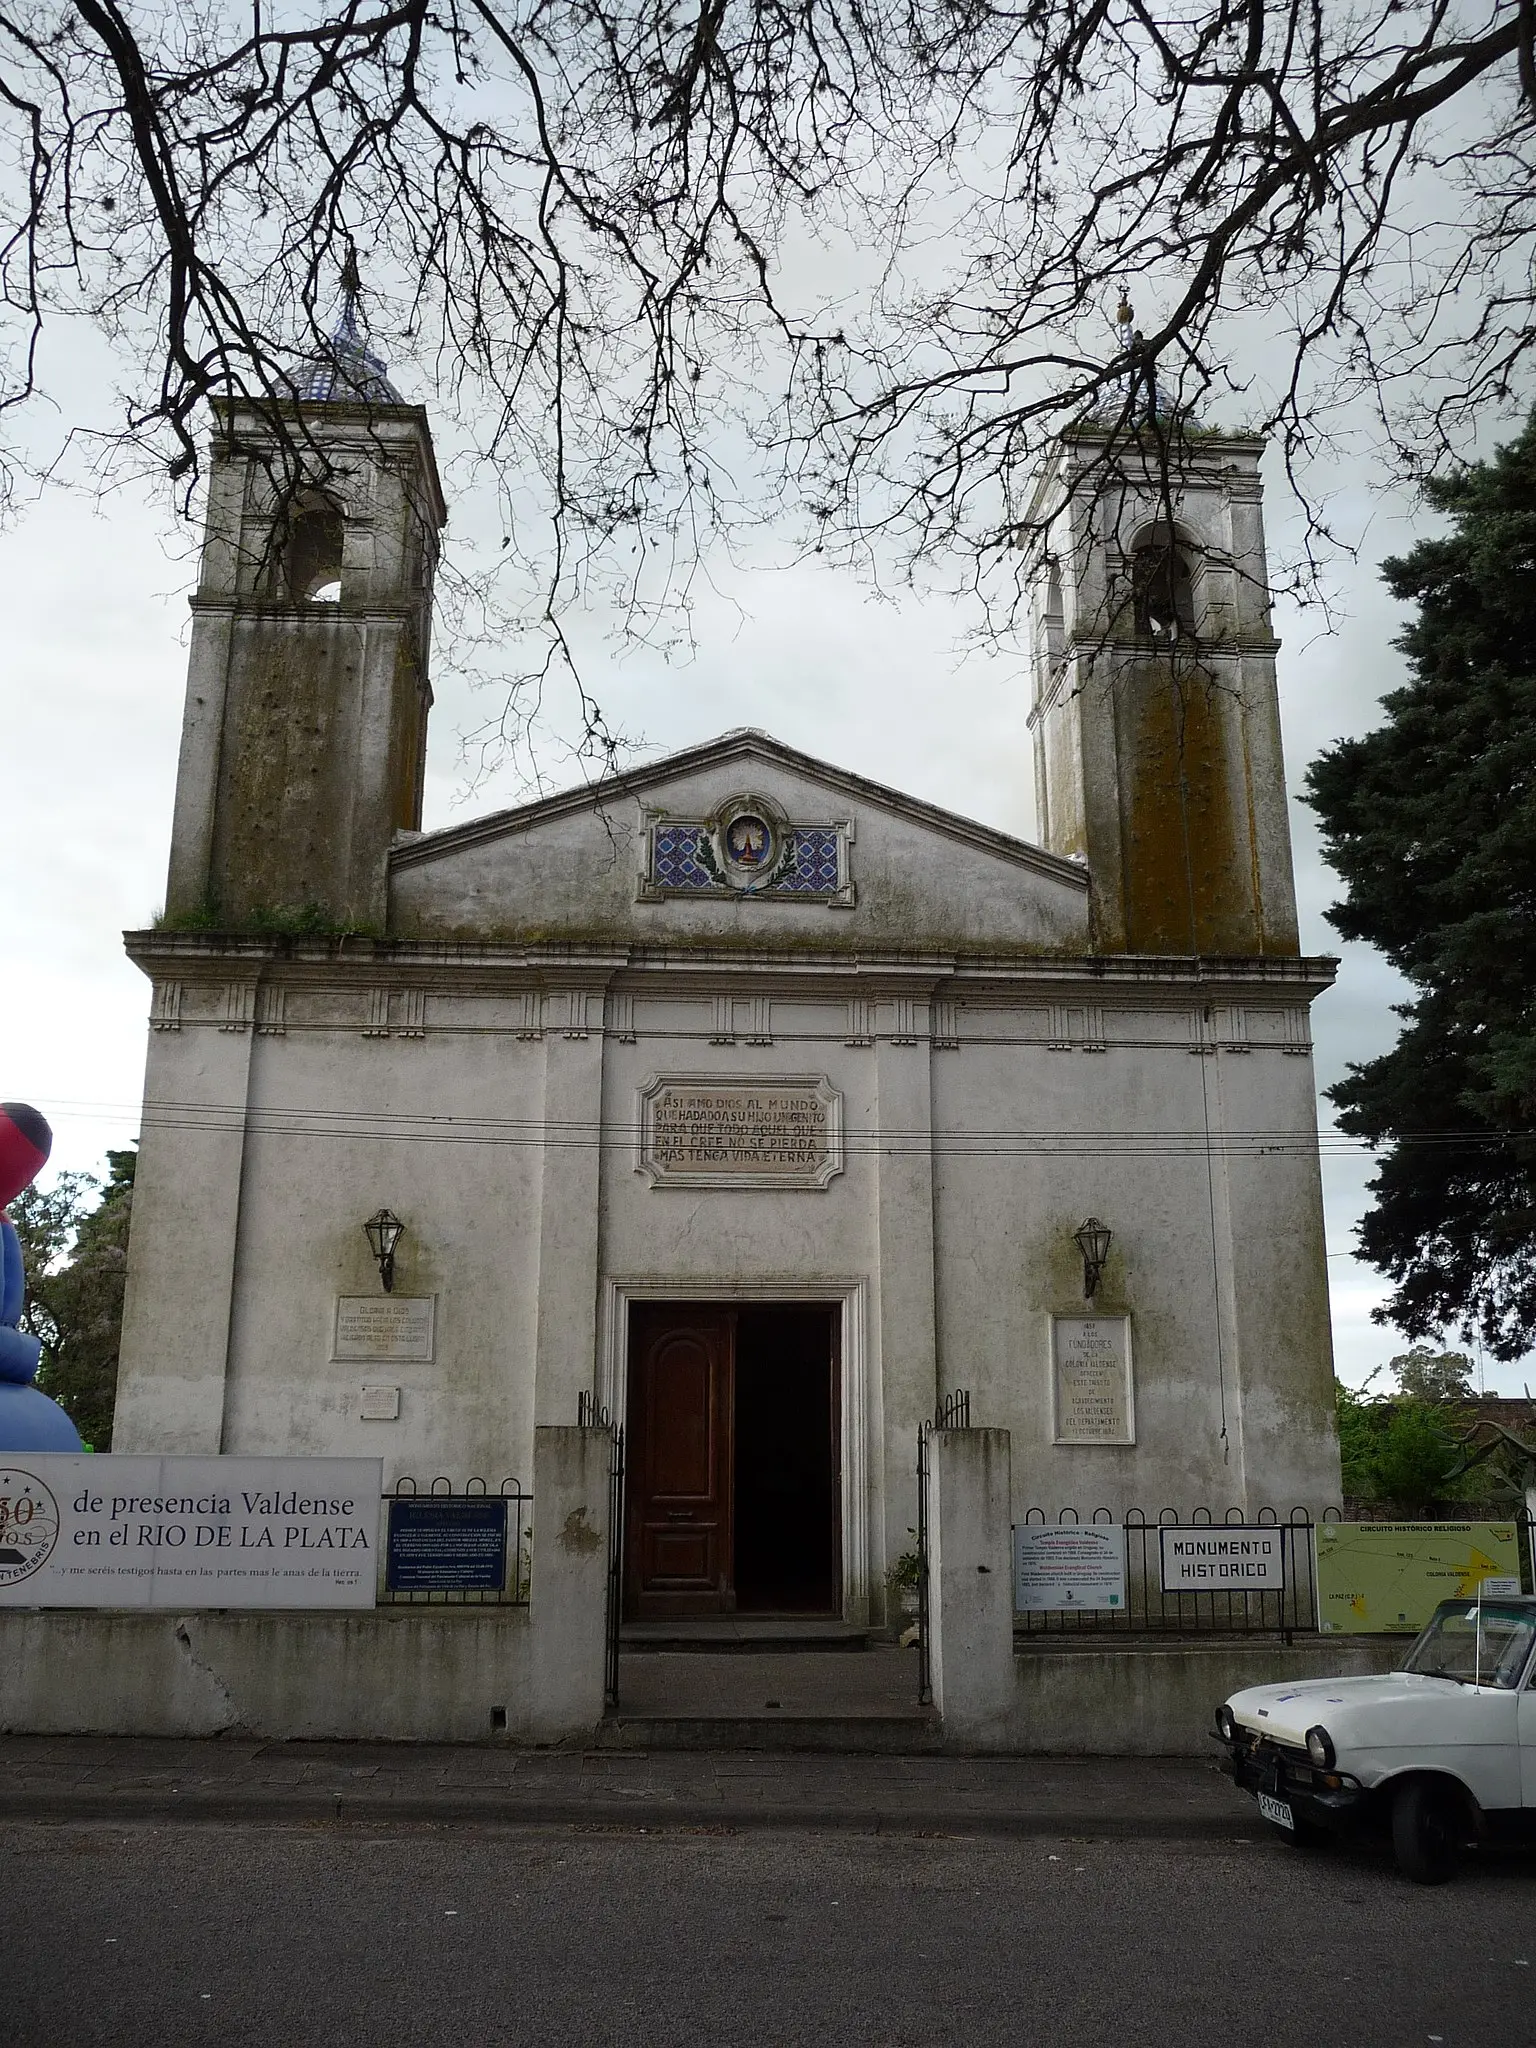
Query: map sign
1068, 1565
1386, 1578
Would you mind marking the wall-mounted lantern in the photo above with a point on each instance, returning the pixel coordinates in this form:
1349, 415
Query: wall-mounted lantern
383, 1232
1093, 1240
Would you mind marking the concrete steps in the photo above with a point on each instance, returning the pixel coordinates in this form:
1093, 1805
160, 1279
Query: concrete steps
752, 1635
857, 1734
835, 1691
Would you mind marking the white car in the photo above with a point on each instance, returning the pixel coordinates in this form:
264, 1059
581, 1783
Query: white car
1440, 1753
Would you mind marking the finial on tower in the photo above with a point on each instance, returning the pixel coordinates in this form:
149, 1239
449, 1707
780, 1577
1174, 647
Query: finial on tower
349, 372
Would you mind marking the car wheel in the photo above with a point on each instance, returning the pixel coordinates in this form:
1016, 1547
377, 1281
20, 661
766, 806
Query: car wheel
1428, 1826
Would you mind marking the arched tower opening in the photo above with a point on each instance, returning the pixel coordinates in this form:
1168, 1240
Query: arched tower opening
304, 739
1155, 714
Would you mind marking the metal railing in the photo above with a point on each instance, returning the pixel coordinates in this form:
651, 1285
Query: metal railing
457, 1536
1284, 1611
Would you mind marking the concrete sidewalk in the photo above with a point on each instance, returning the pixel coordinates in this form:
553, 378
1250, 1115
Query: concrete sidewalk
98, 1778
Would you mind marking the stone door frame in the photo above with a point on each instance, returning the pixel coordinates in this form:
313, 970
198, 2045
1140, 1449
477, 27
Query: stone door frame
862, 1468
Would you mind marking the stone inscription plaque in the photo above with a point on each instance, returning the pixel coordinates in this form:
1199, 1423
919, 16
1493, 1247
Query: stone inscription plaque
385, 1326
1091, 1366
779, 1132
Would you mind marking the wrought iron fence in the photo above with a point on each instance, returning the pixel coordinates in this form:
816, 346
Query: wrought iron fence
406, 1567
1285, 1611
953, 1412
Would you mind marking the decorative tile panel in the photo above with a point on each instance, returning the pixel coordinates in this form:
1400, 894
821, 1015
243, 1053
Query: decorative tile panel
748, 849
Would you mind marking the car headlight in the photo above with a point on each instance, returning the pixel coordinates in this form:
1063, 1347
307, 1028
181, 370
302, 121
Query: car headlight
1320, 1748
1226, 1723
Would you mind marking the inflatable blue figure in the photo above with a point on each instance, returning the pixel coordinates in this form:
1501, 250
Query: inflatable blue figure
29, 1421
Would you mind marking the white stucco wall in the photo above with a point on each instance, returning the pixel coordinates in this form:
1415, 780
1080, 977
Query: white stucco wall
474, 1109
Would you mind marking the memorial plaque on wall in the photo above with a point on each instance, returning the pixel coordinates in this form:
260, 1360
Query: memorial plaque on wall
385, 1327
1091, 1390
778, 1132
446, 1546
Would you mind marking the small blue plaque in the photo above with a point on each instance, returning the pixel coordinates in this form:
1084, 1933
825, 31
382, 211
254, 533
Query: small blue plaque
446, 1546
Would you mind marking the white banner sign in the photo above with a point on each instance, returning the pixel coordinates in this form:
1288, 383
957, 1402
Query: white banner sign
1220, 1559
1068, 1565
188, 1532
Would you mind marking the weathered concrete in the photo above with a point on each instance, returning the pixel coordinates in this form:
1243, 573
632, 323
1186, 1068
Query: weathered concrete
970, 1581
1155, 1699
570, 1577
1006, 1065
396, 1674
402, 1674
1161, 764
304, 735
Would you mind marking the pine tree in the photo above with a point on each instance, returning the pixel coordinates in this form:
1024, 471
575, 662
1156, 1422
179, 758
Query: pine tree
1431, 822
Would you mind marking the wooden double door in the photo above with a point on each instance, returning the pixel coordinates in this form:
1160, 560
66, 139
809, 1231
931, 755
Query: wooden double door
732, 1477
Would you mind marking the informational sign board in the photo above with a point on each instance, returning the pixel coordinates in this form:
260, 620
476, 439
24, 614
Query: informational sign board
1058, 1566
387, 1328
188, 1532
1386, 1578
443, 1546
1219, 1558
1091, 1390
777, 1132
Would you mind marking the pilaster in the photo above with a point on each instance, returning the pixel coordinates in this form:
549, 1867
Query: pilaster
906, 1308
570, 1200
181, 1254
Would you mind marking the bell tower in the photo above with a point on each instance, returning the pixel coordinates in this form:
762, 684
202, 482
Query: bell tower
304, 735
1154, 710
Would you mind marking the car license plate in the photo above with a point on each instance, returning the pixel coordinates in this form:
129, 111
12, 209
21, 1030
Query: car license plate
1277, 1810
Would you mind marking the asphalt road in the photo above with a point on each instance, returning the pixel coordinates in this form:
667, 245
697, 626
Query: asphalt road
286, 1936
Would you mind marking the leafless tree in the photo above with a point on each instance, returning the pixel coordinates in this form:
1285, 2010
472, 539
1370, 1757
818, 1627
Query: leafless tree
848, 262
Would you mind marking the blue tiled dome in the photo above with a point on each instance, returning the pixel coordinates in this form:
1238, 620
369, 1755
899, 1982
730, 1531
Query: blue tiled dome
348, 373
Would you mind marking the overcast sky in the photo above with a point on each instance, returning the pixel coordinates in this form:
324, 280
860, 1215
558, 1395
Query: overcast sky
94, 600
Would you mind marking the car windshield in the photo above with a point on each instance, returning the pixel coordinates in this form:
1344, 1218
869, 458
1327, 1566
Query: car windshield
1478, 1644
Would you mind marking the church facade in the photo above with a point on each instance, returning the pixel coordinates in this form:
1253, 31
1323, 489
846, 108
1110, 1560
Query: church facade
763, 1105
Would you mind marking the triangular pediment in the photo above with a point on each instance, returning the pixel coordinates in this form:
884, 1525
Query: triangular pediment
740, 837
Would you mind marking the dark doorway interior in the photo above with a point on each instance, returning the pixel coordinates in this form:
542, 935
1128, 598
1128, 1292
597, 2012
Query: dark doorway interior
733, 1494
786, 1461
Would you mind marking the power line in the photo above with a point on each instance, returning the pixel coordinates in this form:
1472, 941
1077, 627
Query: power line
393, 1127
